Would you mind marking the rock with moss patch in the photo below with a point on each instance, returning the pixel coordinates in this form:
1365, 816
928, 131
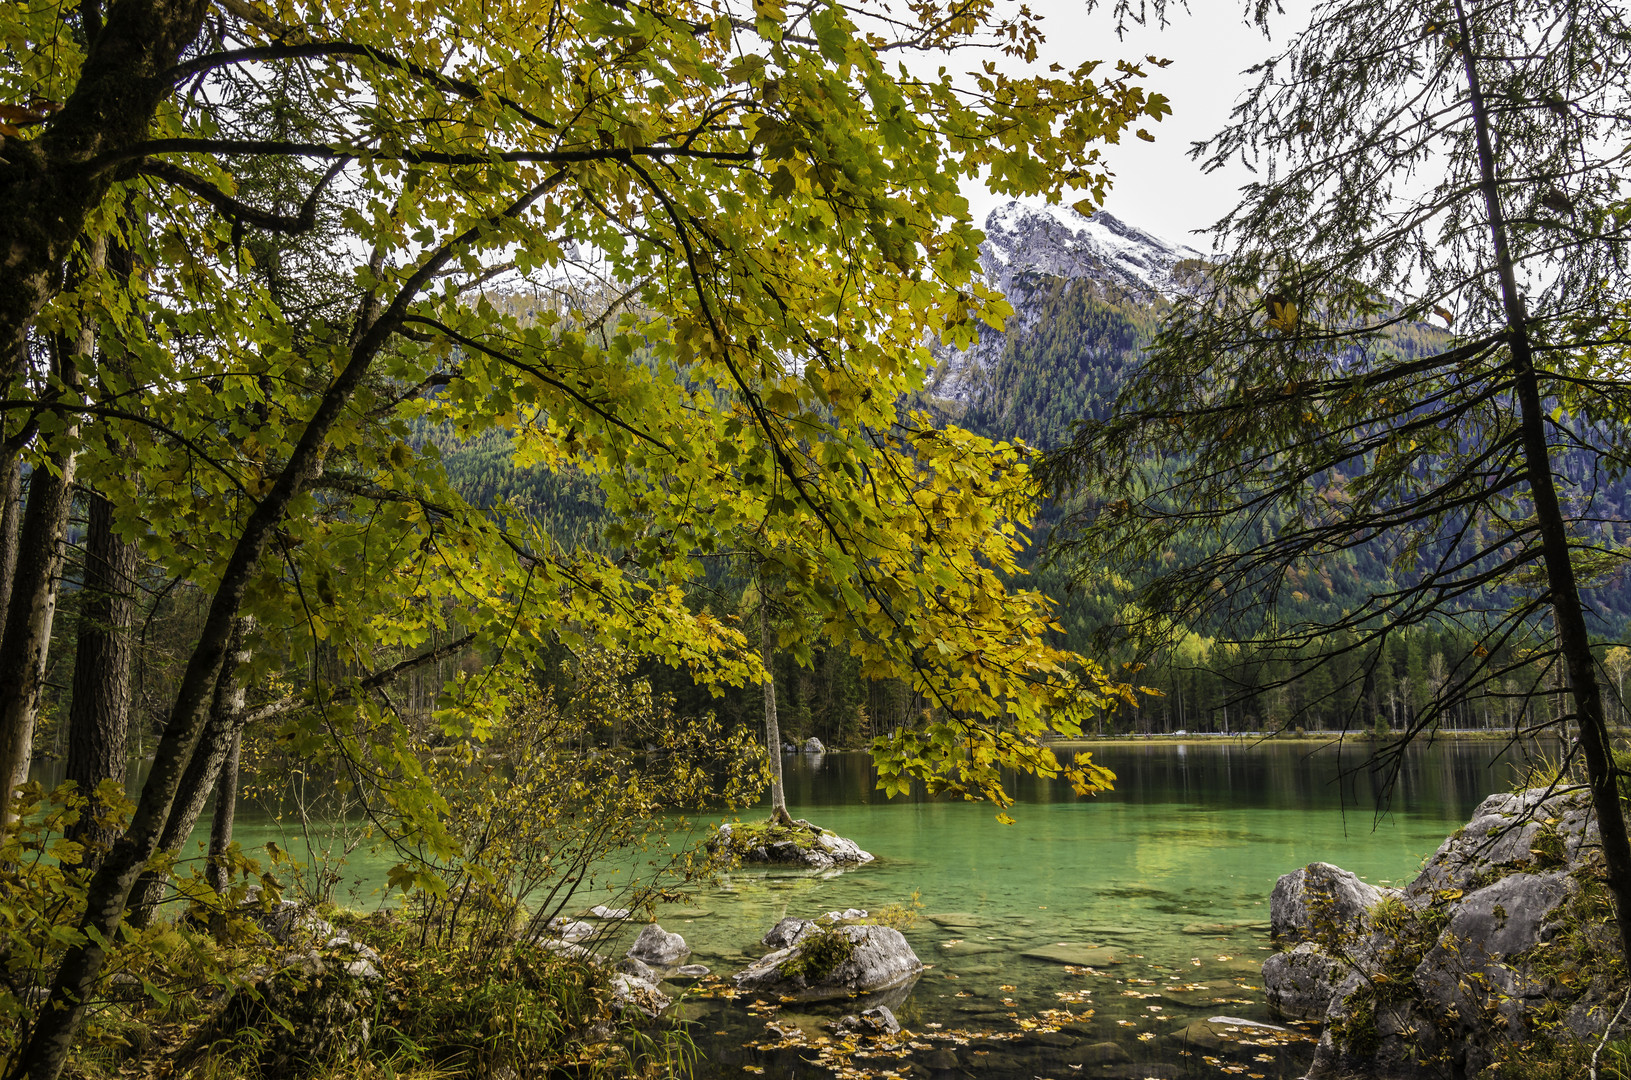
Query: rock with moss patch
1321, 902
801, 844
1506, 934
835, 962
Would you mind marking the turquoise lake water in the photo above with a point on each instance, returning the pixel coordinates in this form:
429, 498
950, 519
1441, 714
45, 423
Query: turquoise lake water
1171, 871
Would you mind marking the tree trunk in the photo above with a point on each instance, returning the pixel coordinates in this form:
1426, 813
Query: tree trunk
41, 543
1574, 641
226, 810
46, 190
203, 772
33, 607
99, 716
11, 517
773, 731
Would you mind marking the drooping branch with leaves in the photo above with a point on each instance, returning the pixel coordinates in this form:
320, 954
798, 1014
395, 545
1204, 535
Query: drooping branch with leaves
733, 228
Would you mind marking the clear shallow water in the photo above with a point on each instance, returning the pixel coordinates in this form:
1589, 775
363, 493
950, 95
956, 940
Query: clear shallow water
1171, 871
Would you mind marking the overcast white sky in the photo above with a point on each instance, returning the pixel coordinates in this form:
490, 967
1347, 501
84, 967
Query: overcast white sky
1157, 187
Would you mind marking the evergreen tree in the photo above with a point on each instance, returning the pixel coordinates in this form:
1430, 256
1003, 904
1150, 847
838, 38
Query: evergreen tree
1446, 161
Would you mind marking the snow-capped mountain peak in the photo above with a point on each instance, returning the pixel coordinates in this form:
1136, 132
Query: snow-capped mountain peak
1025, 245
1059, 242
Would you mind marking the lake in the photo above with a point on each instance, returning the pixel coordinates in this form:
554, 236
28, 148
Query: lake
1171, 871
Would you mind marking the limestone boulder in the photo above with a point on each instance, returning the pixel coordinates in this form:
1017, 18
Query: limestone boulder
836, 962
1322, 902
658, 946
1300, 982
788, 932
1507, 930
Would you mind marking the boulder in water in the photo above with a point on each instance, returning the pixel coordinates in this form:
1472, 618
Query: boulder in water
836, 962
657, 946
1507, 926
877, 1020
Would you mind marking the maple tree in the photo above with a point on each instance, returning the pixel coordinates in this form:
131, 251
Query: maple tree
245, 247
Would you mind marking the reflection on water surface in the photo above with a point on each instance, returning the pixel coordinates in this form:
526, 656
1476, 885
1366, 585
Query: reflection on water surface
1167, 878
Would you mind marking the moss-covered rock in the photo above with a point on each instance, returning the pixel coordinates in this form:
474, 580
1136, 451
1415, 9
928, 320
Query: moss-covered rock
799, 844
835, 961
1504, 941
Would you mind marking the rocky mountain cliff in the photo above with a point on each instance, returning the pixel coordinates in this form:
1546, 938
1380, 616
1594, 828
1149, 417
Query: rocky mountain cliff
1030, 252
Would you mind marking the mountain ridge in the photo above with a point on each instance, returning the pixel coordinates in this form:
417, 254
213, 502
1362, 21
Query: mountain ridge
1030, 250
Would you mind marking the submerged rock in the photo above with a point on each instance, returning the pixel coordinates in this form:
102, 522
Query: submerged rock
1507, 930
835, 962
1218, 1032
877, 1020
1075, 953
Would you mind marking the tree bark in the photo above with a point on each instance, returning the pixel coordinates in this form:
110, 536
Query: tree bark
11, 517
33, 608
1574, 641
199, 782
99, 716
226, 811
48, 185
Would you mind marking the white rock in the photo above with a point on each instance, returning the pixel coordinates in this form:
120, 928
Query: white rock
657, 946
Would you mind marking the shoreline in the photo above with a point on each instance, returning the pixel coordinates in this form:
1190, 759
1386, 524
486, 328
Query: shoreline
1326, 738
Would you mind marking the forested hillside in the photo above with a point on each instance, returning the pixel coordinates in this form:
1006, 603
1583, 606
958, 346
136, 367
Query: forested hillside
1082, 320
1076, 336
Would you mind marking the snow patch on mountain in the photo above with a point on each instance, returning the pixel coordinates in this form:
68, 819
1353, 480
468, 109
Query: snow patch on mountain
1025, 242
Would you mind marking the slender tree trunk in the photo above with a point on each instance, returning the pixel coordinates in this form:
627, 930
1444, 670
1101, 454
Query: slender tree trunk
226, 811
202, 776
41, 543
26, 646
11, 518
1574, 641
773, 731
99, 716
